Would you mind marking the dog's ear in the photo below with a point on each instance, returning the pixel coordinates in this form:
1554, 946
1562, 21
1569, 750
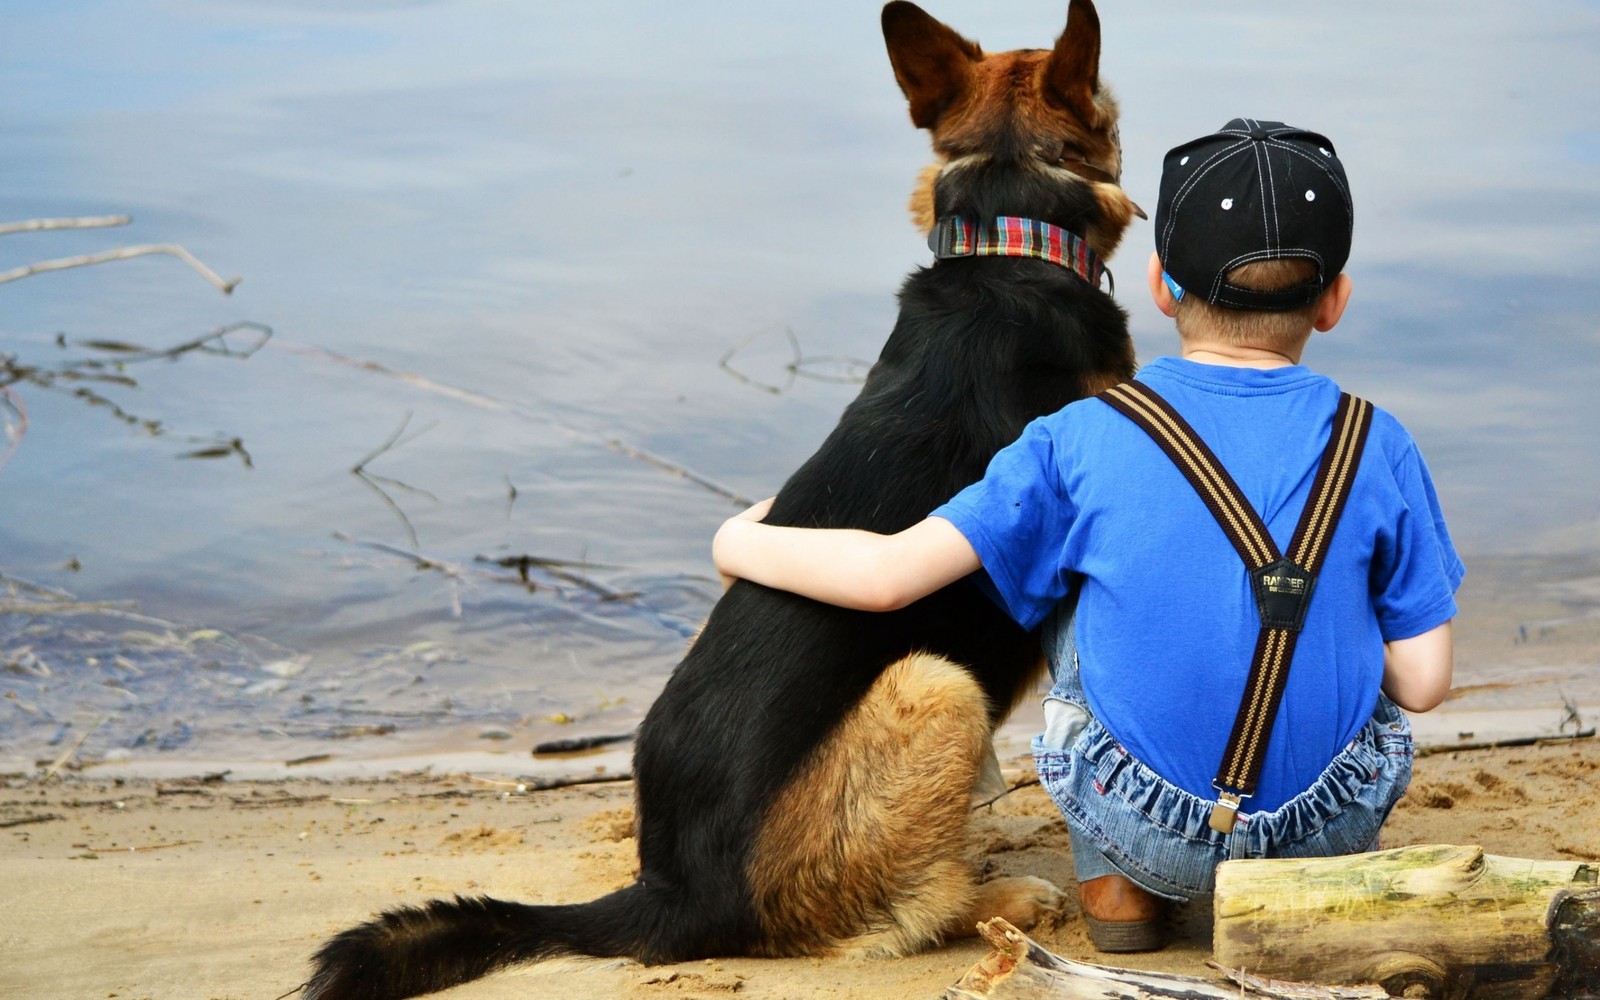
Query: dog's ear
931, 62
1072, 75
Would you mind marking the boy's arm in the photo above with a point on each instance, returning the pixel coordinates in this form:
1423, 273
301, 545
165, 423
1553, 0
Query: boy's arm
843, 566
1417, 671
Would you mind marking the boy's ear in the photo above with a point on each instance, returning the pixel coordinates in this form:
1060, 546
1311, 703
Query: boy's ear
1330, 306
1159, 290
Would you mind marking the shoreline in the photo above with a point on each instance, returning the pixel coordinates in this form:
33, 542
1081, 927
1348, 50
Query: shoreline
220, 888
1473, 718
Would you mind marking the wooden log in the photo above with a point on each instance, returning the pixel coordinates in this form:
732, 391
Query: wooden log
1019, 969
1435, 921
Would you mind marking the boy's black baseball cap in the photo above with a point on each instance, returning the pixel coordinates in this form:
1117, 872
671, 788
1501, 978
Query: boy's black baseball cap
1252, 191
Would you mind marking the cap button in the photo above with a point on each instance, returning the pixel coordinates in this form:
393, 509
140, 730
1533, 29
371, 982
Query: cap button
1258, 134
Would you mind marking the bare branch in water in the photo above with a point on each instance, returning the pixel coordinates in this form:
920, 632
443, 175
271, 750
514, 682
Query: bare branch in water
789, 369
371, 481
61, 761
224, 285
80, 222
103, 372
393, 442
558, 568
422, 561
13, 423
225, 449
493, 405
216, 342
852, 371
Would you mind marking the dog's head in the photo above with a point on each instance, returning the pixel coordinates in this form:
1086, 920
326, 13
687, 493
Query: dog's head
1031, 132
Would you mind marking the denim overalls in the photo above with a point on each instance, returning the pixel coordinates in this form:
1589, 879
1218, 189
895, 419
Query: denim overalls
1126, 819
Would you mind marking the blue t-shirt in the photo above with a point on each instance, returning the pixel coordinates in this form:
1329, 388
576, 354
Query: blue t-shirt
1166, 619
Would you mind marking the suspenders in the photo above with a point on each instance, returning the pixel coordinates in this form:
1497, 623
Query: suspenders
1282, 584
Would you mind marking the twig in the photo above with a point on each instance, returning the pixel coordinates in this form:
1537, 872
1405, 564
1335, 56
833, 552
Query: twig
281, 800
101, 370
1014, 788
233, 446
422, 561
225, 286
497, 783
557, 569
80, 222
577, 743
1573, 718
1516, 741
131, 353
388, 501
16, 582
371, 481
141, 847
27, 820
490, 403
799, 366
790, 368
393, 442
545, 784
11, 431
1283, 989
804, 366
66, 755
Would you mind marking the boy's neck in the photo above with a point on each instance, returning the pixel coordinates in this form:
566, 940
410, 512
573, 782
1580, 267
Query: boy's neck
1236, 356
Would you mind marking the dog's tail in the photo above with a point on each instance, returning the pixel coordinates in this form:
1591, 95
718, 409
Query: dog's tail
415, 950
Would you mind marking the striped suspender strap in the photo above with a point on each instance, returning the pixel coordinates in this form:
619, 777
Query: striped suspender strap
1282, 584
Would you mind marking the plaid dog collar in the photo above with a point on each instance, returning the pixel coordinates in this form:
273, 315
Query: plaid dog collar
1010, 236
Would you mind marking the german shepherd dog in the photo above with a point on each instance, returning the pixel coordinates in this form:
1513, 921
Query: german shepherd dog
803, 780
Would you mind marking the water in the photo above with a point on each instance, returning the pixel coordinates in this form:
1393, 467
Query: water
522, 236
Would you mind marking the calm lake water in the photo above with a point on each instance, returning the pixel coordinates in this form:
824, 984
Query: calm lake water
513, 241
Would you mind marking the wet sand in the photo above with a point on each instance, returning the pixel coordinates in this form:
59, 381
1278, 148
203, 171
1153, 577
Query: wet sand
221, 889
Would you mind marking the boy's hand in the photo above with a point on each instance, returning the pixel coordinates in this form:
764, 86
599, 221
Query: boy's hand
755, 512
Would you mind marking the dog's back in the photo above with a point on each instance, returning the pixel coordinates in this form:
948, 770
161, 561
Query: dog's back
803, 778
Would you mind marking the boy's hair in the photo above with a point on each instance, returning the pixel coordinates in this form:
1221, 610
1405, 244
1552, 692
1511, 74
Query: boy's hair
1272, 330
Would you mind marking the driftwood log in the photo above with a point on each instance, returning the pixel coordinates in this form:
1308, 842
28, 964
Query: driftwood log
1435, 921
1019, 969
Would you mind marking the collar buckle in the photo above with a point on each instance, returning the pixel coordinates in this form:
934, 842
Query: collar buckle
949, 233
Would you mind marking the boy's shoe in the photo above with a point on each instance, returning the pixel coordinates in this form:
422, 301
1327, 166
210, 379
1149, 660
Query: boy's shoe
1123, 917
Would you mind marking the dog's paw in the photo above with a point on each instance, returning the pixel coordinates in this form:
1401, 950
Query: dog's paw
1022, 900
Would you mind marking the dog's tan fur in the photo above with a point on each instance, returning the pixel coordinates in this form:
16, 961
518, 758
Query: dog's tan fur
871, 833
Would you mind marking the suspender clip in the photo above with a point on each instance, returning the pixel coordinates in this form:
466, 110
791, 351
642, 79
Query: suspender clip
1226, 812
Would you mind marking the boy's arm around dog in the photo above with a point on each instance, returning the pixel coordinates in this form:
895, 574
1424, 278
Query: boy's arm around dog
855, 569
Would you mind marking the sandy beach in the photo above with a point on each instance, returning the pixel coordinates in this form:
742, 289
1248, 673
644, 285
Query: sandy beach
220, 889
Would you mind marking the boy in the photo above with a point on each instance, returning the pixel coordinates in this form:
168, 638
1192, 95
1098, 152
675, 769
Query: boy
1252, 232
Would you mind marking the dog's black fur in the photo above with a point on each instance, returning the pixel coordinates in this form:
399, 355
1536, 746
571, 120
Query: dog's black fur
981, 347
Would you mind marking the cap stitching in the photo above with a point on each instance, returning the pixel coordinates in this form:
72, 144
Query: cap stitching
1269, 196
1323, 166
1215, 160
